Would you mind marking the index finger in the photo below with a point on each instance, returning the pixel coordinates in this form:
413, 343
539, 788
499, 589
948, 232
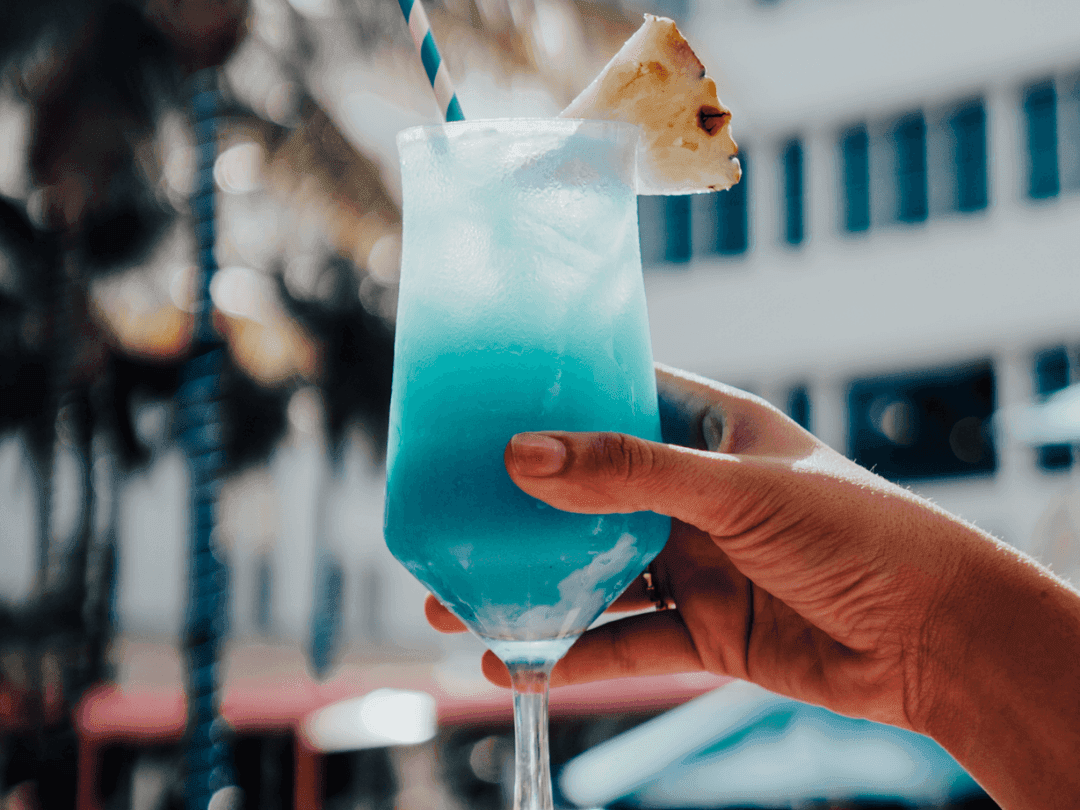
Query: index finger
703, 414
689, 416
440, 617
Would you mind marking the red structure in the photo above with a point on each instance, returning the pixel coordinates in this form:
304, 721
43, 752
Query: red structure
146, 717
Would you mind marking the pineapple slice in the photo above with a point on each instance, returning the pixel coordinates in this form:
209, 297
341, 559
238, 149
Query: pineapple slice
657, 82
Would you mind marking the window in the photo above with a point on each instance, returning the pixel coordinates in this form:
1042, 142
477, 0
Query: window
264, 580
732, 214
909, 141
791, 160
677, 232
371, 594
326, 613
798, 405
678, 10
1052, 374
967, 126
1040, 115
929, 424
855, 174
1068, 125
652, 230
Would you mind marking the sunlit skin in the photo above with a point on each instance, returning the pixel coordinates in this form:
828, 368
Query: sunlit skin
794, 568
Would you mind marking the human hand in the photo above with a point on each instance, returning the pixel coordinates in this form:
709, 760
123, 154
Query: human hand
790, 565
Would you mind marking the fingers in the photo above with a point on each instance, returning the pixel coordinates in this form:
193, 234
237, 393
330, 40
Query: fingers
685, 544
441, 618
689, 415
635, 597
599, 473
495, 670
649, 644
607, 472
706, 415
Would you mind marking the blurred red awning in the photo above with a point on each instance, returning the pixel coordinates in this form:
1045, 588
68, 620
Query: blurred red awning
133, 713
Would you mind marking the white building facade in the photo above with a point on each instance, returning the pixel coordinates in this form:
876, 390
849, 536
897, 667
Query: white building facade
902, 259
899, 262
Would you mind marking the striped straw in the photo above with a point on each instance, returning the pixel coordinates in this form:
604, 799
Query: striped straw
433, 64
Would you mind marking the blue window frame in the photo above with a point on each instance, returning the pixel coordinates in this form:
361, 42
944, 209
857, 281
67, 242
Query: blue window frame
909, 140
928, 424
652, 230
968, 126
798, 405
732, 216
791, 160
1052, 374
1040, 115
327, 614
264, 581
1069, 133
677, 233
678, 10
855, 174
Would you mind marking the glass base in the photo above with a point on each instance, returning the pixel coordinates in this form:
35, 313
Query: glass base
544, 651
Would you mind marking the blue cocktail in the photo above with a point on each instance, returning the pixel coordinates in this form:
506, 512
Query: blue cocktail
521, 308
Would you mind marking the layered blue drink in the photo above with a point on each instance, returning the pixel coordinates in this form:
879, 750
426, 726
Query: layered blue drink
521, 308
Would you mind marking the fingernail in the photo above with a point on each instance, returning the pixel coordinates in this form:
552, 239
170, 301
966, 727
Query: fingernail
712, 426
537, 455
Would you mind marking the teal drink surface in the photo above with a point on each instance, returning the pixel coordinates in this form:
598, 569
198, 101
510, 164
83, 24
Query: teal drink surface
521, 307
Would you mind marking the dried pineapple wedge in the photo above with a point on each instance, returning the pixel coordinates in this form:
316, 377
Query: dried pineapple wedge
657, 82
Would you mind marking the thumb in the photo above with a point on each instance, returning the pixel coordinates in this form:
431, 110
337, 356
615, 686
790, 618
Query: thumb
599, 473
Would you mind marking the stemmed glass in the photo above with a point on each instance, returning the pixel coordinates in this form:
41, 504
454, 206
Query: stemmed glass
521, 307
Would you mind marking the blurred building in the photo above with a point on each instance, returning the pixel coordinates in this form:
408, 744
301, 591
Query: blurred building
896, 266
899, 261
895, 270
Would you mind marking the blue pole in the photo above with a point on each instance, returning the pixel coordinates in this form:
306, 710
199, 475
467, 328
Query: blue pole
209, 768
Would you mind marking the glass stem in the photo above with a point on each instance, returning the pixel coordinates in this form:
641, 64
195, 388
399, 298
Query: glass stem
532, 770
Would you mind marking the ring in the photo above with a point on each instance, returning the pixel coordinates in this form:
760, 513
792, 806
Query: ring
652, 593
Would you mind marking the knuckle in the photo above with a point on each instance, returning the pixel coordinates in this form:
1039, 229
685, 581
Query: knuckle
622, 457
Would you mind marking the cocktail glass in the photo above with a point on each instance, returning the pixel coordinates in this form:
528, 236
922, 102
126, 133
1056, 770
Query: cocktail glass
521, 308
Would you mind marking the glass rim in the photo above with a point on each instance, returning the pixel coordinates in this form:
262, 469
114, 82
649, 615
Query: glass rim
508, 126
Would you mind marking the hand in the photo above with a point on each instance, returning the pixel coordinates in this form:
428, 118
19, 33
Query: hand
790, 565
795, 568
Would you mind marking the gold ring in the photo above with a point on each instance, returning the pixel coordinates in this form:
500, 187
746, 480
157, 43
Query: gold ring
652, 593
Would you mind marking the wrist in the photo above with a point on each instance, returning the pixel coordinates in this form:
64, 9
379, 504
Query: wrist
1000, 676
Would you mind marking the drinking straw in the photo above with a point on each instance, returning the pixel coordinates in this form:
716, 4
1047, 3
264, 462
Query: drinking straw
433, 65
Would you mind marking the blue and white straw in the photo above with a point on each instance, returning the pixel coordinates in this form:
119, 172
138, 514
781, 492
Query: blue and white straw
436, 71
